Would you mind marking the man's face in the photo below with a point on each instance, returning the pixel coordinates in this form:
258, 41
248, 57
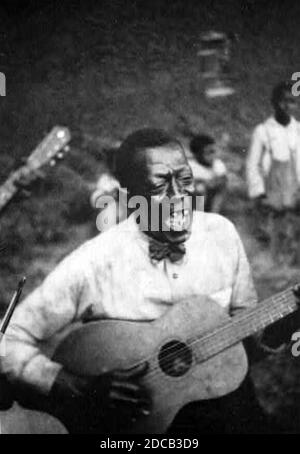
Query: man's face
166, 181
287, 104
209, 154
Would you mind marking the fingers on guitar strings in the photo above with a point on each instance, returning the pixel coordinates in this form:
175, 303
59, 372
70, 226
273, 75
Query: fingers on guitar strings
296, 290
133, 372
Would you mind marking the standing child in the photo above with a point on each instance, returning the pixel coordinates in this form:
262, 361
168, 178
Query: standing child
273, 169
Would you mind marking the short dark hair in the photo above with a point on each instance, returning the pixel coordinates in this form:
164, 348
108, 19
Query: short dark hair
126, 168
199, 142
279, 91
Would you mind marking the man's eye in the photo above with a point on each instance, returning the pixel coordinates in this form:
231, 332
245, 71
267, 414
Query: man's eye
186, 179
157, 189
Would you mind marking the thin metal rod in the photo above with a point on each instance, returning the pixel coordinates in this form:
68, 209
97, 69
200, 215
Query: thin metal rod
12, 305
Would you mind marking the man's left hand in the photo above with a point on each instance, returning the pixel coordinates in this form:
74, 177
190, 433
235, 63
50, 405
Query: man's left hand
296, 291
24, 179
281, 332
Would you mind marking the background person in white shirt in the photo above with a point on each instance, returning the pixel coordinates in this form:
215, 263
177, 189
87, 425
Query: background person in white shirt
130, 274
209, 172
113, 211
273, 161
107, 187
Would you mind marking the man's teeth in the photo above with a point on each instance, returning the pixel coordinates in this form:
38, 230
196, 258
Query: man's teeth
178, 220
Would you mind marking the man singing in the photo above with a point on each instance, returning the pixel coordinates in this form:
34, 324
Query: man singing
137, 272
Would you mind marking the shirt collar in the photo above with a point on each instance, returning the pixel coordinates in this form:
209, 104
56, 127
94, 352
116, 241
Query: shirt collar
198, 231
274, 123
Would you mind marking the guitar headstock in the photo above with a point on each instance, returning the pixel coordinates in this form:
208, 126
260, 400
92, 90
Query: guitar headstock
51, 146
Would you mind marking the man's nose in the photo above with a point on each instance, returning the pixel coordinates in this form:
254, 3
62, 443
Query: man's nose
175, 191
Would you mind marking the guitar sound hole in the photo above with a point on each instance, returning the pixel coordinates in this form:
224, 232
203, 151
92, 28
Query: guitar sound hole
175, 358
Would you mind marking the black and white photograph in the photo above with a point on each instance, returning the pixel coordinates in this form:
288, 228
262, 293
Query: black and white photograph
149, 219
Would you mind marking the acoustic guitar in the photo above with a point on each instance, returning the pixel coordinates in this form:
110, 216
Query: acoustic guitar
194, 352
50, 147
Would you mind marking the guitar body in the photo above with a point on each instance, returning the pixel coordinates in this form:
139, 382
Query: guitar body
173, 380
18, 420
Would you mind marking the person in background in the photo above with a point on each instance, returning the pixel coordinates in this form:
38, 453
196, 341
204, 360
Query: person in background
209, 172
273, 166
108, 187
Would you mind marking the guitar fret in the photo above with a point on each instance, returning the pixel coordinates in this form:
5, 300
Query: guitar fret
43, 153
242, 326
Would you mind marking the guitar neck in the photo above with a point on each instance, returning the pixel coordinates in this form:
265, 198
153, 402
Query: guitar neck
46, 150
7, 192
247, 323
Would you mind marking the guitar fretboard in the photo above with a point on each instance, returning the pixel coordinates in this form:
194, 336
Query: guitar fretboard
7, 191
245, 324
43, 153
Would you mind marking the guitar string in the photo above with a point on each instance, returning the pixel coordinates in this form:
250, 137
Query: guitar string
206, 351
231, 323
245, 317
241, 331
240, 320
155, 372
280, 299
252, 314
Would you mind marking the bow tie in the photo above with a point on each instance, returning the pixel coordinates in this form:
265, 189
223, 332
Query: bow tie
159, 251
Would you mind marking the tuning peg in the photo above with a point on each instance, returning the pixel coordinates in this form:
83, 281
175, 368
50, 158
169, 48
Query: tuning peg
52, 162
60, 134
60, 155
66, 148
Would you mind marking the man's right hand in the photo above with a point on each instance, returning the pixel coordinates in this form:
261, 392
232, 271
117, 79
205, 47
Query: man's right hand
6, 394
117, 394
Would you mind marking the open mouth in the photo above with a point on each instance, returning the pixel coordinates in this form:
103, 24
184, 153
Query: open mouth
178, 220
